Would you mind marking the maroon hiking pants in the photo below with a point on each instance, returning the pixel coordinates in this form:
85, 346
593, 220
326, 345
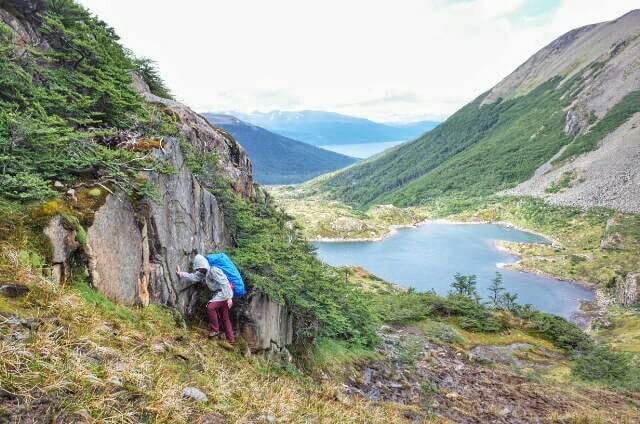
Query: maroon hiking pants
220, 310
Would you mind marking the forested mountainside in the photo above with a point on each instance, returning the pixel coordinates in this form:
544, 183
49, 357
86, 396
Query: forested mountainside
324, 128
277, 159
563, 126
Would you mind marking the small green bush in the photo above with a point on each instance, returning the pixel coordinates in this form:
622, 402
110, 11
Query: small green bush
603, 364
558, 330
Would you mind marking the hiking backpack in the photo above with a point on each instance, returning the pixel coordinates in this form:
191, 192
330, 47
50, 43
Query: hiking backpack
222, 261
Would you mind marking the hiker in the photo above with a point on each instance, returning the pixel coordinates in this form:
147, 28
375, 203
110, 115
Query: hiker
221, 302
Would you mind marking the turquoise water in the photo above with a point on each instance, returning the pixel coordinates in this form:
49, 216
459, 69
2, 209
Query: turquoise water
428, 256
361, 151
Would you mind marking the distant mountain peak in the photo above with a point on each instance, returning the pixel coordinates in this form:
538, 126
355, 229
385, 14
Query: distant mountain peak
322, 128
278, 159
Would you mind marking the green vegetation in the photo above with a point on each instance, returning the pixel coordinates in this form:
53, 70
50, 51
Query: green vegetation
618, 115
480, 150
146, 68
62, 109
592, 246
565, 181
277, 159
616, 369
281, 263
461, 319
321, 216
276, 259
477, 151
331, 354
462, 307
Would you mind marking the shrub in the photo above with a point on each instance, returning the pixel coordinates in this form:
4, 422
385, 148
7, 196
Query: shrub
62, 108
558, 330
146, 68
603, 364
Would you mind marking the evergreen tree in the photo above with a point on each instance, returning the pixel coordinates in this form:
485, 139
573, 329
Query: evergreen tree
509, 301
465, 285
496, 290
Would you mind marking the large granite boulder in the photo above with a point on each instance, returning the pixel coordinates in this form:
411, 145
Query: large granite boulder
115, 251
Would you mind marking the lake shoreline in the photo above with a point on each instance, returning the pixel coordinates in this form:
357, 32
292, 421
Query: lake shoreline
582, 312
393, 229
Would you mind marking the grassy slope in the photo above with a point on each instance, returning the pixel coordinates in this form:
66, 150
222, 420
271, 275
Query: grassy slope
593, 246
478, 150
92, 360
321, 217
89, 359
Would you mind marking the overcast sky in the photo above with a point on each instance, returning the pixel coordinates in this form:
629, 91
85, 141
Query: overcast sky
384, 60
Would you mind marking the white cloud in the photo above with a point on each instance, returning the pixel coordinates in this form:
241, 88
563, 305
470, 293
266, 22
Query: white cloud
425, 57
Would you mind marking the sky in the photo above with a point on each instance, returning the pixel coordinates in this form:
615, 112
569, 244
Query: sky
399, 60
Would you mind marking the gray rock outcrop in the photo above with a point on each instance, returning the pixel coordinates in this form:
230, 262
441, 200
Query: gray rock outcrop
132, 251
63, 244
266, 325
114, 251
22, 17
604, 57
614, 44
608, 176
206, 138
195, 394
627, 293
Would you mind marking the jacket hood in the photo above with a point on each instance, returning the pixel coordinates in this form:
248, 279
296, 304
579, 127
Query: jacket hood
200, 262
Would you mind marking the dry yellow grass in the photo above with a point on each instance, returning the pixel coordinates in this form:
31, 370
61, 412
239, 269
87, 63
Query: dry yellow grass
92, 361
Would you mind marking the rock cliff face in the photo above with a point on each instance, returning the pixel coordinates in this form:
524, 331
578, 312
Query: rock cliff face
627, 289
610, 175
20, 16
132, 249
205, 137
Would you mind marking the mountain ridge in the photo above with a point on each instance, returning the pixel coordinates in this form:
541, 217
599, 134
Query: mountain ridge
559, 105
278, 159
331, 128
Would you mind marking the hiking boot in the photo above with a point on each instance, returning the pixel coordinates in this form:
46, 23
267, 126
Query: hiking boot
214, 334
226, 345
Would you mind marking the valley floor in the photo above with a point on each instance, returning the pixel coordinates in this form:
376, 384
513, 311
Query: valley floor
590, 247
67, 354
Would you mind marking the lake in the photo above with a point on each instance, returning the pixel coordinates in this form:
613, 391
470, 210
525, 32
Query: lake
427, 257
361, 151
